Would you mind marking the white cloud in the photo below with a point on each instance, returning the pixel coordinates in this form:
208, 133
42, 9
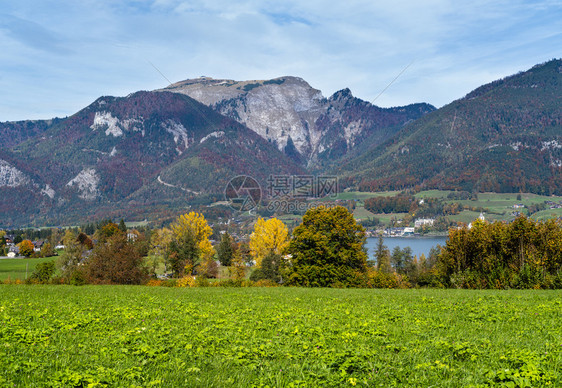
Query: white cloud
73, 52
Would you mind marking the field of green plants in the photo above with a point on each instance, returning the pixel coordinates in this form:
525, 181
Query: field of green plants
126, 336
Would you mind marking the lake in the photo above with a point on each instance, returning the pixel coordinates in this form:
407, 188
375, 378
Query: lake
419, 245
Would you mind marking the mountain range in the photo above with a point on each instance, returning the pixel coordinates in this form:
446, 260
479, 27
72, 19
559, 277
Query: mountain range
505, 136
154, 153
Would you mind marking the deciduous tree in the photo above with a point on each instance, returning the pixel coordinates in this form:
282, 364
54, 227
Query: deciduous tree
107, 231
238, 266
47, 250
26, 248
182, 255
196, 226
117, 261
268, 236
44, 271
71, 256
327, 249
158, 248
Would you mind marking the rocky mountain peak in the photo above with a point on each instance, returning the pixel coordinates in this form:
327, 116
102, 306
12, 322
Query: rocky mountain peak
290, 113
341, 95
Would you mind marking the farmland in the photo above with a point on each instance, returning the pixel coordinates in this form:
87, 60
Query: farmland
18, 268
495, 206
216, 337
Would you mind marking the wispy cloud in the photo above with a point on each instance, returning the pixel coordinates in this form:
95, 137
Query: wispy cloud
32, 34
58, 56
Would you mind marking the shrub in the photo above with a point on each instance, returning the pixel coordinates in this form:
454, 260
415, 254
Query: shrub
77, 278
379, 279
266, 283
43, 272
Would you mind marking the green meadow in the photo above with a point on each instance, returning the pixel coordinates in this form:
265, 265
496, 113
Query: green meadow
138, 336
18, 268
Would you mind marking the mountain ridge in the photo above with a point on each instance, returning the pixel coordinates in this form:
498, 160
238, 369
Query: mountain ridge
155, 153
107, 154
298, 118
517, 119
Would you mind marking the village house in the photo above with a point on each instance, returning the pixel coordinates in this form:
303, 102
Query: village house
13, 251
9, 239
408, 232
37, 245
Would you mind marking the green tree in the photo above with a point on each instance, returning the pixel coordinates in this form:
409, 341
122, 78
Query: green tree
182, 255
225, 250
382, 257
47, 250
327, 250
122, 226
269, 269
402, 259
44, 271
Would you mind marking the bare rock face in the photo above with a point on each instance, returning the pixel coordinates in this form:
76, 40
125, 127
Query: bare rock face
294, 116
10, 176
277, 110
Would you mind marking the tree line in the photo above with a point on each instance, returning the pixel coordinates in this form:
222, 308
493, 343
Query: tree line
521, 254
326, 250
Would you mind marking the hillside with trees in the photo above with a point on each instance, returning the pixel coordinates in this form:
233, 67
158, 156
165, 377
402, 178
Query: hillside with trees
504, 137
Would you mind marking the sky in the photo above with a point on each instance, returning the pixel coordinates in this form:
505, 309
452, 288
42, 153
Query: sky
57, 57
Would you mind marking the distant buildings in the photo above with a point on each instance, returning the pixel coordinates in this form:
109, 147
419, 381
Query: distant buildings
408, 232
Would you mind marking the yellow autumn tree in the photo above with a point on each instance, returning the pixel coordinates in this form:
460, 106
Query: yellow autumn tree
268, 236
26, 248
196, 225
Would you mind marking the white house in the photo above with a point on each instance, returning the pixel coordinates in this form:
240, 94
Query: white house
408, 232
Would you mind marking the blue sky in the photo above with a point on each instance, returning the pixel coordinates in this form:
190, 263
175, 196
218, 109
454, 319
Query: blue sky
59, 56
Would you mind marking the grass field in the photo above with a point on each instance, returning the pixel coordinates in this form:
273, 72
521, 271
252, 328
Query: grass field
121, 336
360, 214
497, 206
547, 214
16, 268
